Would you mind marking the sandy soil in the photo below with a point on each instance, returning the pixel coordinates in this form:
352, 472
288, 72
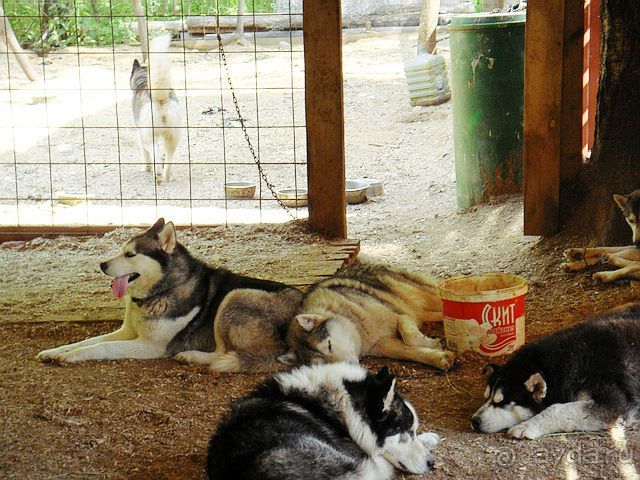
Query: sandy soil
151, 420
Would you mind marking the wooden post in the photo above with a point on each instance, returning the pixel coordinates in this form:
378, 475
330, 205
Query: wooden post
7, 35
428, 25
240, 19
143, 29
571, 102
325, 116
591, 69
542, 115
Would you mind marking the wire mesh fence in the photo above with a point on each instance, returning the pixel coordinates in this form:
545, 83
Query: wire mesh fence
70, 148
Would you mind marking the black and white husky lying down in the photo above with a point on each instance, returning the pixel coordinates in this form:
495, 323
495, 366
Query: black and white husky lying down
335, 421
585, 378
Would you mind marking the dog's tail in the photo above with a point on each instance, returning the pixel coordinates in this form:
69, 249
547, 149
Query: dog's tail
245, 362
160, 68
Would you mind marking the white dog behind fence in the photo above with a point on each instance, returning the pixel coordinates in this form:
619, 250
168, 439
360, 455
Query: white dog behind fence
156, 109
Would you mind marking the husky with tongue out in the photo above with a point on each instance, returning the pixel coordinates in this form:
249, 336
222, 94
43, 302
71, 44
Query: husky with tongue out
176, 303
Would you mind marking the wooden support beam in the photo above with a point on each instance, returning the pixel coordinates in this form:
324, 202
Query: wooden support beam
542, 115
143, 29
325, 116
591, 72
8, 37
571, 102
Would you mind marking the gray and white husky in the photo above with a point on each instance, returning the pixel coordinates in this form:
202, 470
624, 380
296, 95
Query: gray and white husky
585, 378
368, 310
176, 303
156, 109
321, 422
627, 259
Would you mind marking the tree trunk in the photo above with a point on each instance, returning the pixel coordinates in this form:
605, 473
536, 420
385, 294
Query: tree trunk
6, 34
143, 29
240, 19
615, 158
428, 25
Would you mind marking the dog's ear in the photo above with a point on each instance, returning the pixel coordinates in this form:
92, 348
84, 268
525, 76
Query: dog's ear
490, 370
289, 358
309, 321
537, 386
167, 237
621, 200
157, 226
387, 392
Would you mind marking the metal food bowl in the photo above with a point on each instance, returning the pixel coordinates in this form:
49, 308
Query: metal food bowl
375, 189
291, 197
356, 191
240, 190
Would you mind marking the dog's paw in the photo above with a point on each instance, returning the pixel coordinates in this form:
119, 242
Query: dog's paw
66, 357
446, 360
574, 254
602, 277
193, 357
524, 430
427, 342
183, 358
429, 439
47, 355
568, 267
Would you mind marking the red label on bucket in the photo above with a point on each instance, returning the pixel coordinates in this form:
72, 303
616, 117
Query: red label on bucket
492, 328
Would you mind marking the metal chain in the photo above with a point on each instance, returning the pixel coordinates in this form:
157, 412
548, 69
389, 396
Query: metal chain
263, 175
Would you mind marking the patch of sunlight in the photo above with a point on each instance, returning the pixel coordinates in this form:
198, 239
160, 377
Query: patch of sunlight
569, 465
626, 467
42, 213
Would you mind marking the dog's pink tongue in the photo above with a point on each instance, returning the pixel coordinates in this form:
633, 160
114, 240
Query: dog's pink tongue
119, 286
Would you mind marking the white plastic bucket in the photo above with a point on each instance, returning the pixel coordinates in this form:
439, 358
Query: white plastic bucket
427, 79
484, 314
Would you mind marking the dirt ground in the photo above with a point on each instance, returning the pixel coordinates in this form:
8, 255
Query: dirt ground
152, 419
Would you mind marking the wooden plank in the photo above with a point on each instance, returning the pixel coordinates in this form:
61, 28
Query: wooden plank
544, 40
571, 106
591, 73
201, 25
325, 116
29, 232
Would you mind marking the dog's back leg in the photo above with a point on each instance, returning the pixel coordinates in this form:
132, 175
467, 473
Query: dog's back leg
411, 334
170, 143
631, 272
397, 349
231, 361
144, 152
581, 258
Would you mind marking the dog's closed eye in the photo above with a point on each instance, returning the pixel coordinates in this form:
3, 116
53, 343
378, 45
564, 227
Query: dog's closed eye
129, 254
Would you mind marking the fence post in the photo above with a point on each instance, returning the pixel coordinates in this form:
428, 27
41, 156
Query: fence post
325, 116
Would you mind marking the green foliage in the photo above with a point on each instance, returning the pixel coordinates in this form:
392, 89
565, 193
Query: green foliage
48, 24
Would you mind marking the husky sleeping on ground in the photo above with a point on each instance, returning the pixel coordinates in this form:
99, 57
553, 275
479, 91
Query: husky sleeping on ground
626, 258
321, 422
368, 311
156, 109
175, 303
585, 378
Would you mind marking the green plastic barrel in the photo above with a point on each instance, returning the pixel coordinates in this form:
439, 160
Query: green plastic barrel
487, 70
